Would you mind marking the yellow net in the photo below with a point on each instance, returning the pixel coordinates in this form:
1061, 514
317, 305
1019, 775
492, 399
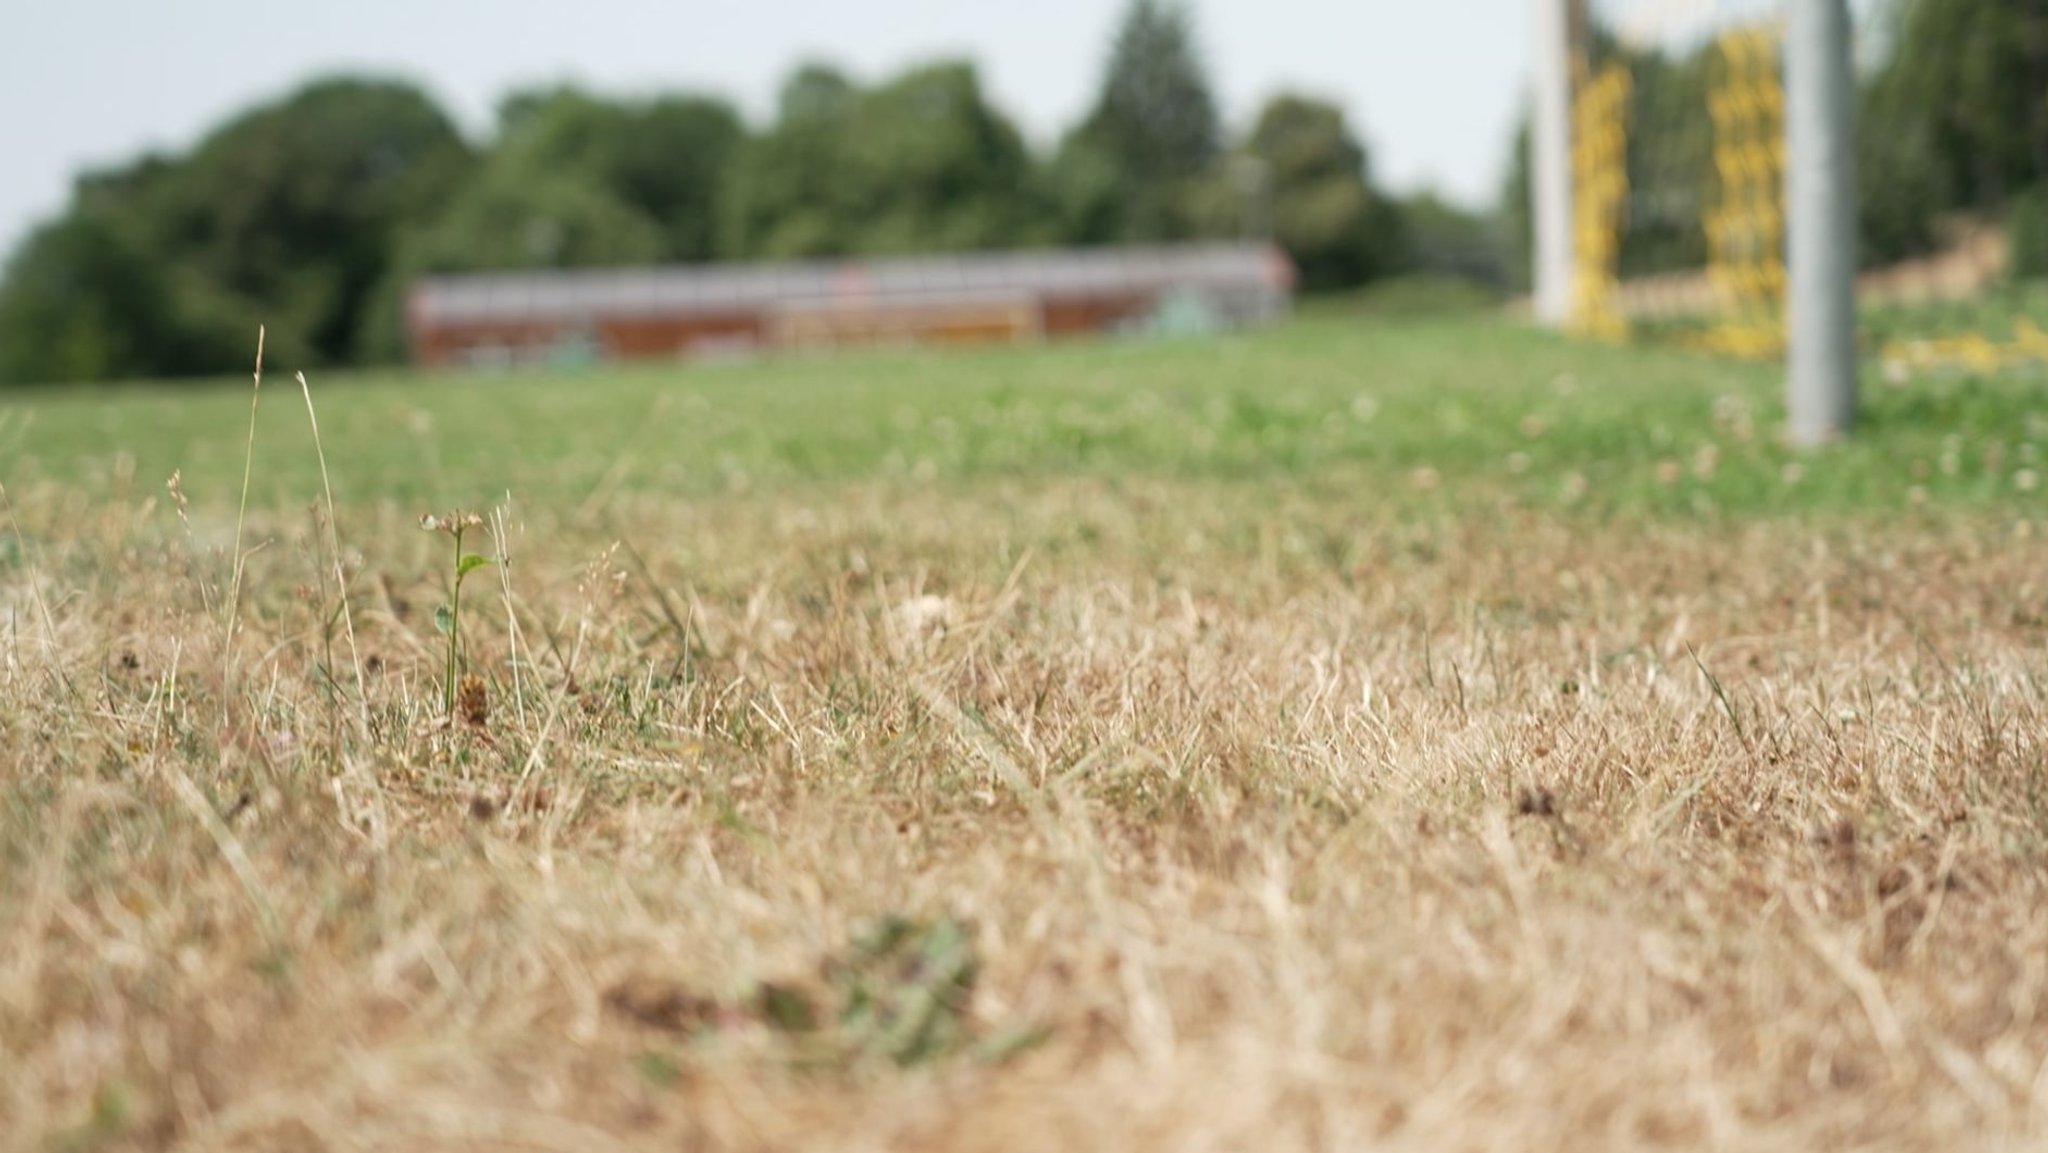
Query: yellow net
1679, 172
1746, 226
1599, 199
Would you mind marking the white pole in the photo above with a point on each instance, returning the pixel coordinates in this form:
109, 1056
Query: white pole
1550, 160
1820, 194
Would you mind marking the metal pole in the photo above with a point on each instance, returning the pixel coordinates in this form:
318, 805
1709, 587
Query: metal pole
1550, 160
1820, 194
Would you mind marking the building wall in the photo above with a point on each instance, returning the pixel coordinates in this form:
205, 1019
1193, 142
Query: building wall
498, 343
495, 343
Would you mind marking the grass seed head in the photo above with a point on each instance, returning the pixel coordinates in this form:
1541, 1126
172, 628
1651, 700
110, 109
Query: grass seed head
472, 702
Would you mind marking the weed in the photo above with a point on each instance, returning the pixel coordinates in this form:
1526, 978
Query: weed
333, 550
900, 992
906, 985
234, 604
448, 617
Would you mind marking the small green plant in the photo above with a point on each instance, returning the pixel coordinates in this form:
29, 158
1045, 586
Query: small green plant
448, 618
906, 985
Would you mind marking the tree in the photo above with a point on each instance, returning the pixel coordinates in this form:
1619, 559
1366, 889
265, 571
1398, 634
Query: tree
511, 219
1085, 189
1903, 184
784, 198
816, 94
931, 166
1152, 134
86, 298
1323, 210
921, 163
672, 165
295, 208
1956, 119
664, 159
1440, 239
288, 215
1516, 215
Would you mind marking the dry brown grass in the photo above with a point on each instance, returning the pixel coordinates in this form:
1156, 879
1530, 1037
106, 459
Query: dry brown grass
1286, 827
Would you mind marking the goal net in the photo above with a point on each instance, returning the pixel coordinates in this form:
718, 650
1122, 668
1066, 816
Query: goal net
1678, 168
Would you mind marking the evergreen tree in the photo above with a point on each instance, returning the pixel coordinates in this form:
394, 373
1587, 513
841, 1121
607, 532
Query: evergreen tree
1154, 127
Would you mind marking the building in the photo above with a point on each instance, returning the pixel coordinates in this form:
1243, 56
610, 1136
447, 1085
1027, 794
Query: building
556, 316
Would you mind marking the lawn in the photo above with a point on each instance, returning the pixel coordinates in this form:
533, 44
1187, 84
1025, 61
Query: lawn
1493, 411
1421, 734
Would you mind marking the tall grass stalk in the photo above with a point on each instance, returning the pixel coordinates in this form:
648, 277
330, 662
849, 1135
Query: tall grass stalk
334, 552
242, 513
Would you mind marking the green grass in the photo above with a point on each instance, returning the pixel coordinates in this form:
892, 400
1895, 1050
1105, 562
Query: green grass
1452, 413
1993, 315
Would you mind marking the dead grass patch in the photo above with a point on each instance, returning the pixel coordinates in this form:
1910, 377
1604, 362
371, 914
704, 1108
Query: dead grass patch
1210, 820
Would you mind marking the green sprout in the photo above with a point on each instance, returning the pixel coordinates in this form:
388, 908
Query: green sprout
448, 618
907, 984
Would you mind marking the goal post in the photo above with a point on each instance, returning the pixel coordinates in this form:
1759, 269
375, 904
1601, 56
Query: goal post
1820, 130
1550, 159
1692, 173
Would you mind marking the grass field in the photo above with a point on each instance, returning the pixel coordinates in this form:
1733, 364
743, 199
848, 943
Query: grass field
1361, 735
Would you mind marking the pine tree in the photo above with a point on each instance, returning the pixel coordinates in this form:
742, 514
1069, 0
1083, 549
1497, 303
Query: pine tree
1155, 121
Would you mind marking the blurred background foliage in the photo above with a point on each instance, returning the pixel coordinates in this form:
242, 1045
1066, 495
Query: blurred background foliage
316, 210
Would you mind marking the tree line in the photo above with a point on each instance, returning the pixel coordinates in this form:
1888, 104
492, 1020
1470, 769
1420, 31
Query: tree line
315, 211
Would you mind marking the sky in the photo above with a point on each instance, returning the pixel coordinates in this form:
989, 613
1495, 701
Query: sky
1432, 86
